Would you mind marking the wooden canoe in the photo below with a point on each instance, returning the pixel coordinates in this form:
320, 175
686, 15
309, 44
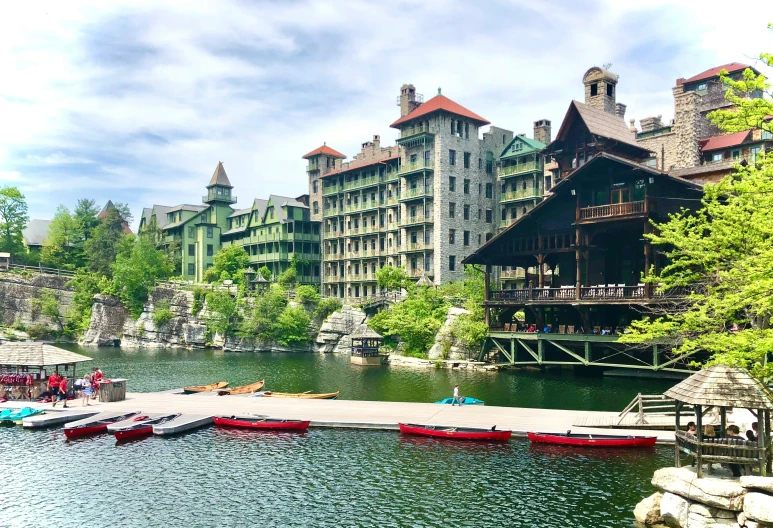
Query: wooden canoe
193, 389
244, 389
458, 433
588, 440
261, 422
303, 395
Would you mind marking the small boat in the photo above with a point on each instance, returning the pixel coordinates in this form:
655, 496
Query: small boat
15, 416
592, 440
261, 422
458, 433
143, 428
96, 427
244, 389
193, 389
464, 400
308, 395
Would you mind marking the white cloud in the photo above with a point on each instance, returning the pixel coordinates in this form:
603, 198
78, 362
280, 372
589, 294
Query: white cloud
137, 100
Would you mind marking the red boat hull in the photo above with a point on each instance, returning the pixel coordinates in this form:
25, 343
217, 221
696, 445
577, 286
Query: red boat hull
636, 441
75, 432
295, 425
495, 436
134, 433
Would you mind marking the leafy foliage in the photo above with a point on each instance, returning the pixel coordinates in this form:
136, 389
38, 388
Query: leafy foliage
221, 307
228, 263
162, 313
48, 304
85, 285
265, 272
107, 241
293, 326
391, 278
135, 273
307, 295
326, 307
199, 296
289, 276
13, 220
261, 320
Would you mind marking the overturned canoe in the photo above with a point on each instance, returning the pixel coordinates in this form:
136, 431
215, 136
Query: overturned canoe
458, 433
193, 389
244, 389
302, 395
261, 422
95, 427
142, 428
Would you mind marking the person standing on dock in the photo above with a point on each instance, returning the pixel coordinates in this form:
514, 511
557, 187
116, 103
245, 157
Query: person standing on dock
456, 396
62, 392
86, 390
95, 379
53, 386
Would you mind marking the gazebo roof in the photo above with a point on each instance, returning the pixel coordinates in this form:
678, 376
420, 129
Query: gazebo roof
424, 281
35, 354
259, 278
723, 386
365, 332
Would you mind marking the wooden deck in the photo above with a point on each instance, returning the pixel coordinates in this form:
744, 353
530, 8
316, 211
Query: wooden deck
367, 414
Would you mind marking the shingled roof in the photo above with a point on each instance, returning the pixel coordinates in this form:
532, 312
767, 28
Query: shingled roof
714, 72
324, 149
219, 177
723, 386
437, 103
365, 332
36, 354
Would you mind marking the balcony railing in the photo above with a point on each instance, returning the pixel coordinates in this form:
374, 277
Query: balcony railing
519, 169
361, 182
604, 292
219, 197
418, 192
519, 194
612, 210
330, 189
415, 166
412, 220
413, 131
418, 246
416, 273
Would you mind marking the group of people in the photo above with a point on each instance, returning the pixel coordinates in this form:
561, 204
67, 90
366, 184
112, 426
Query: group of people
731, 431
547, 329
87, 387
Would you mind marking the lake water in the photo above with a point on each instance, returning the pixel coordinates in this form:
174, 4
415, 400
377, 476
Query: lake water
225, 478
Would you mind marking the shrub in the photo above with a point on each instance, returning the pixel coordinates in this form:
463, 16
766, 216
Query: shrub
288, 277
38, 331
19, 325
293, 326
222, 312
162, 313
199, 296
307, 295
265, 272
326, 307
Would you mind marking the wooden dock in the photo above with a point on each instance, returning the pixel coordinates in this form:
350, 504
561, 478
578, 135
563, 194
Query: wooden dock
357, 414
55, 417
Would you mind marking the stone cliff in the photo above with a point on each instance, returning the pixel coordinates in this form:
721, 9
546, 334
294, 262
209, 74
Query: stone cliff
17, 294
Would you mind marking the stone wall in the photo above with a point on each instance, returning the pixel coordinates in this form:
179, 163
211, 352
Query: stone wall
446, 346
16, 292
334, 333
686, 501
665, 147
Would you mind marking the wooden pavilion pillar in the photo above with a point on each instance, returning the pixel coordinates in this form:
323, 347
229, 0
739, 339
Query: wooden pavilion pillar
647, 260
541, 261
487, 294
699, 427
678, 451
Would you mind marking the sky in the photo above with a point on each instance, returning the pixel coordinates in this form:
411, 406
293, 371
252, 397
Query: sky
138, 100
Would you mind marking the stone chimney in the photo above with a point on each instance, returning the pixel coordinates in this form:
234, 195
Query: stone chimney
620, 110
686, 127
376, 142
542, 131
407, 101
648, 124
600, 89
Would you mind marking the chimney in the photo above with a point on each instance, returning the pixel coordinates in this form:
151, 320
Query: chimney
600, 89
407, 101
620, 110
376, 141
542, 131
648, 124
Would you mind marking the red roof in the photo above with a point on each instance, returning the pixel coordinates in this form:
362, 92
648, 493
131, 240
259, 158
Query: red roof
355, 167
714, 72
440, 102
324, 149
726, 141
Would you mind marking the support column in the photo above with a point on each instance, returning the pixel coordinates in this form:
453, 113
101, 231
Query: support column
487, 280
647, 261
541, 260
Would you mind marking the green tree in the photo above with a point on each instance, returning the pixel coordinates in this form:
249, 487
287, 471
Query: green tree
107, 241
307, 295
261, 321
391, 278
222, 312
62, 247
289, 277
292, 326
265, 272
232, 260
326, 307
13, 220
48, 304
85, 216
85, 286
722, 255
135, 273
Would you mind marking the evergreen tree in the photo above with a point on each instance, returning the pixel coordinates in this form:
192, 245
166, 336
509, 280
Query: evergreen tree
107, 241
13, 220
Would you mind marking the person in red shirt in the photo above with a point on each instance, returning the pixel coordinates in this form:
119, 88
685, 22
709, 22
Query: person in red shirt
63, 392
95, 379
53, 386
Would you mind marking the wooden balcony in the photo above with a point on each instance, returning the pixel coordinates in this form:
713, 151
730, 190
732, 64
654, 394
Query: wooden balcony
613, 210
612, 293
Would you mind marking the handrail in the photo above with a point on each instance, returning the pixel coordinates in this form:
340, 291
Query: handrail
605, 211
44, 270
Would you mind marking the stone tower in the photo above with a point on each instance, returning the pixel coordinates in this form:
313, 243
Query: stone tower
600, 88
408, 99
322, 161
542, 131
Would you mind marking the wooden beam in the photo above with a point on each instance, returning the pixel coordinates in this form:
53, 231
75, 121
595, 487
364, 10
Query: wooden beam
563, 348
530, 351
502, 349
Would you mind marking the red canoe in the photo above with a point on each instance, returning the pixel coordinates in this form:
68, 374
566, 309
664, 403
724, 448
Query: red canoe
592, 440
97, 427
458, 433
142, 428
261, 422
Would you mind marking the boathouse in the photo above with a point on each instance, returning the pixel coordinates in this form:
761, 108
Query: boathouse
366, 344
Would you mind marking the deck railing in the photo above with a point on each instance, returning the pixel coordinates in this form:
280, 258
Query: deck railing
610, 210
609, 292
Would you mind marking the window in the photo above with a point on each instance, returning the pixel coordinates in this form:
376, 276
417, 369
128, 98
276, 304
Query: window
479, 214
754, 152
210, 232
594, 89
466, 212
209, 265
451, 262
451, 210
467, 159
489, 190
191, 232
466, 186
479, 239
548, 182
191, 250
717, 156
610, 90
736, 154
452, 236
427, 263
480, 163
488, 236
489, 216
210, 250
702, 87
504, 214
466, 238
290, 247
452, 183
766, 134
315, 186
452, 157
204, 218
191, 269
426, 158
480, 189
489, 162
466, 131
316, 207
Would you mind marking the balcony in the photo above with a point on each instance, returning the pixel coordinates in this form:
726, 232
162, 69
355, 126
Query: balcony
213, 196
416, 166
610, 293
613, 210
416, 273
330, 189
521, 168
417, 194
521, 194
361, 182
417, 246
409, 132
415, 220
512, 274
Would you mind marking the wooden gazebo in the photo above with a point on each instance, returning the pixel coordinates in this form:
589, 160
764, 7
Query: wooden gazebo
259, 283
366, 344
22, 359
424, 281
724, 388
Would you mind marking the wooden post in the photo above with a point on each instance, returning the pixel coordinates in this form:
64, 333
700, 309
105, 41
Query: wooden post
762, 432
541, 260
698, 450
678, 452
540, 350
655, 358
723, 421
487, 286
641, 410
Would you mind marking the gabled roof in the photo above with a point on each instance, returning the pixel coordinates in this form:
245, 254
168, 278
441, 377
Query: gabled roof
723, 386
438, 103
219, 177
259, 204
714, 72
599, 123
187, 207
360, 166
725, 141
37, 354
240, 212
365, 332
532, 145
36, 232
324, 149
108, 206
161, 211
280, 201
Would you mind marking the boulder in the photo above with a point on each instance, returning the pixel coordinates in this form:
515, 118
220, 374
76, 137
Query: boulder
702, 516
718, 493
674, 510
446, 346
759, 507
648, 510
755, 482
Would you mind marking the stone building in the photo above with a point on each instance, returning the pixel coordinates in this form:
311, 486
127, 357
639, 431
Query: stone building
425, 203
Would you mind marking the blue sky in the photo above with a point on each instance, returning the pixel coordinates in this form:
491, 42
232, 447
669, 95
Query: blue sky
136, 101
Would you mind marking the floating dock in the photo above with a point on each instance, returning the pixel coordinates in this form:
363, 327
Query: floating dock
55, 417
183, 423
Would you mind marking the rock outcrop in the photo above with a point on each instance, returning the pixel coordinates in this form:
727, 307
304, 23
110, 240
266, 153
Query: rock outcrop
674, 510
184, 329
334, 333
108, 317
719, 493
17, 292
759, 506
648, 510
446, 346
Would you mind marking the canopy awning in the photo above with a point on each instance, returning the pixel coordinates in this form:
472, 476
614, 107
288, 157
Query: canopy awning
723, 386
35, 354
